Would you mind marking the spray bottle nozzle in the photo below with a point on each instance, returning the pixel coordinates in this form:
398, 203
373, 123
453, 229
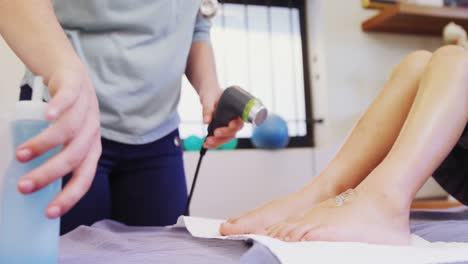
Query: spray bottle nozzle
31, 106
38, 89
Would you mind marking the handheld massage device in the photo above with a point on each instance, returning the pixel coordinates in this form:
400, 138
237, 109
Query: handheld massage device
234, 103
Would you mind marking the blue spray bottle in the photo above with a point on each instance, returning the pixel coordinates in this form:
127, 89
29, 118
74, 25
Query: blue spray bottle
26, 235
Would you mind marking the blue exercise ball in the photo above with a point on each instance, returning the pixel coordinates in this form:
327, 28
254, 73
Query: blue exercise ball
272, 134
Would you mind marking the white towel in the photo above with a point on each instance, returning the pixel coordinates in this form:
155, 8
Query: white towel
420, 250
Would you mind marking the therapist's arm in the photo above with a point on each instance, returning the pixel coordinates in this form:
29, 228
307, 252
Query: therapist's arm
31, 29
201, 72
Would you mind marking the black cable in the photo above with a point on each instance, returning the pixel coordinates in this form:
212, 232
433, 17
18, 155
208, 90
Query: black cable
194, 182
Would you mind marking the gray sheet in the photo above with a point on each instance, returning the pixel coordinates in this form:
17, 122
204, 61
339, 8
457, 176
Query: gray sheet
111, 242
446, 226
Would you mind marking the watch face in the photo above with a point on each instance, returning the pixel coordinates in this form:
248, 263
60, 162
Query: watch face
209, 8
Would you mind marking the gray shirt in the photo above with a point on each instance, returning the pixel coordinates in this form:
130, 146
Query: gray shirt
136, 52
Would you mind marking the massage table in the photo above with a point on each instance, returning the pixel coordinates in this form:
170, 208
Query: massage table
115, 243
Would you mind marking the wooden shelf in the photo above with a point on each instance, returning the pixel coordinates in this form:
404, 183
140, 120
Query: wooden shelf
416, 19
435, 204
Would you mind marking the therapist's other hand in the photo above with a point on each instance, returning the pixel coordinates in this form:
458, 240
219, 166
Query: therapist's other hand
209, 101
75, 113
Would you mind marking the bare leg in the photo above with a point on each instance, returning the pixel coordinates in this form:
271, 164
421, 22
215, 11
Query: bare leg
379, 211
368, 144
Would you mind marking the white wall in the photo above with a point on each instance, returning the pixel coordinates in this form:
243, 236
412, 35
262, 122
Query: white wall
349, 67
232, 182
11, 71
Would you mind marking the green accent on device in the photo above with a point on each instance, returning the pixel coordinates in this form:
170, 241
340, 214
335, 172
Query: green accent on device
248, 107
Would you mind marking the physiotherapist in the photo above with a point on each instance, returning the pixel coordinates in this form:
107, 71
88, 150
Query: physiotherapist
114, 69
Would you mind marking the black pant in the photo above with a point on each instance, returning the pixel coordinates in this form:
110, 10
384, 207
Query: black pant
141, 185
452, 174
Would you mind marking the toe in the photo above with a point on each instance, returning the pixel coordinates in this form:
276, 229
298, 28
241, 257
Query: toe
277, 230
237, 228
272, 230
298, 232
317, 234
283, 234
233, 220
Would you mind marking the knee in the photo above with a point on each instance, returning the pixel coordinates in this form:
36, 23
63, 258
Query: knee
450, 57
449, 64
419, 55
412, 66
416, 61
449, 51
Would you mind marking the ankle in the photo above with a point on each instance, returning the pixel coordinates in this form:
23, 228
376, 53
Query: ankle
322, 188
386, 196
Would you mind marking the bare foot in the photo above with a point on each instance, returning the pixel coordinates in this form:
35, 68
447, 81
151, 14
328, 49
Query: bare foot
258, 220
364, 216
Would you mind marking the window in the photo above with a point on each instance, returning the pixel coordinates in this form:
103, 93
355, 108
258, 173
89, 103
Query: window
260, 46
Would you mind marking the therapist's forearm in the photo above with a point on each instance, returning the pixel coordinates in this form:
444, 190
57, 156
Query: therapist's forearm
32, 30
201, 68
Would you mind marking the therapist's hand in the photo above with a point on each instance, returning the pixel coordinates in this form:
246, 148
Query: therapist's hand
75, 113
209, 99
